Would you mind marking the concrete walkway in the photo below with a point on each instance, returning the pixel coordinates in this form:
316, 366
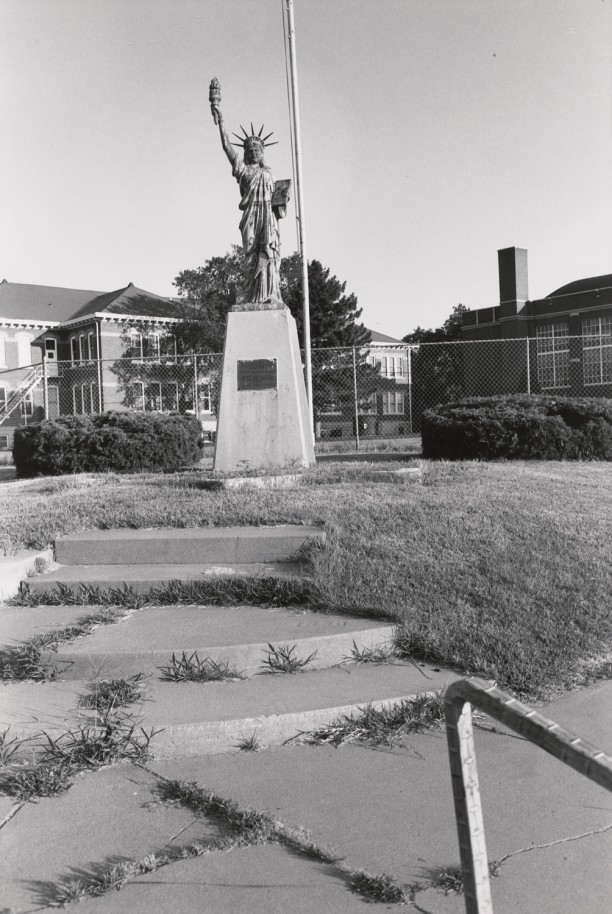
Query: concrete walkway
386, 811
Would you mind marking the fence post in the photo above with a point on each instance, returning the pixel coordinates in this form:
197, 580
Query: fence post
99, 368
355, 400
45, 385
410, 386
528, 368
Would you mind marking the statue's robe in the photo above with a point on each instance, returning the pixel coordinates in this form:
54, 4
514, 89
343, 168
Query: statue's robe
260, 235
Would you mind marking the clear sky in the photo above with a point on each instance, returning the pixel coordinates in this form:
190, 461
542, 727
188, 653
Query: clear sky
433, 133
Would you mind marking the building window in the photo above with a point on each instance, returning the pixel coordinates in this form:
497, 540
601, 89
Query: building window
204, 397
2, 398
170, 397
93, 344
51, 349
24, 352
84, 347
393, 403
597, 350
2, 351
390, 366
74, 349
27, 405
136, 396
88, 398
152, 396
167, 346
150, 346
553, 355
135, 345
367, 405
77, 400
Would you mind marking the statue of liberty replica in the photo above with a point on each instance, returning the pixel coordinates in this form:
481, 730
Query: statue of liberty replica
263, 411
262, 203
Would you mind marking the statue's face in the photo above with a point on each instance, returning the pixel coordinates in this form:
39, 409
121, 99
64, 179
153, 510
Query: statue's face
253, 155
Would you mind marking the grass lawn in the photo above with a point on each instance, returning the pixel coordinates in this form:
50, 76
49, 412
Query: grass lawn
501, 569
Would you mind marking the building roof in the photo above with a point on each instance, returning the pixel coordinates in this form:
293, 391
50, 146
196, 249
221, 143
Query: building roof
130, 301
376, 337
53, 304
584, 285
46, 304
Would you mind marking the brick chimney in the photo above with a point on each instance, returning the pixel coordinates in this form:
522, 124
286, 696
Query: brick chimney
513, 292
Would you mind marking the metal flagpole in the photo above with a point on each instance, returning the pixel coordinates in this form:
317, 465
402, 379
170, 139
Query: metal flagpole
300, 209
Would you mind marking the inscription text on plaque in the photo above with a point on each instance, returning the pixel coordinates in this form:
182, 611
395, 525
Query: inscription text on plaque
257, 374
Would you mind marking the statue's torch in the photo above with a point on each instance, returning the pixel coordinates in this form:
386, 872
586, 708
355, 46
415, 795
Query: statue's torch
214, 97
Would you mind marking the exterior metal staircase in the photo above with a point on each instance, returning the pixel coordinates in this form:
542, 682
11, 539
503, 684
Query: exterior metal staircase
17, 396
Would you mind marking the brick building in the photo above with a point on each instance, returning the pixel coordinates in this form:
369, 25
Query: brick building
563, 342
59, 348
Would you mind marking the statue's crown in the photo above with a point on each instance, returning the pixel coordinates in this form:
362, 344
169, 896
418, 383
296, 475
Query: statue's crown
255, 139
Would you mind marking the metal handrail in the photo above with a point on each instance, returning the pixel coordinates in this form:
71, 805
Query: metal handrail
18, 395
548, 735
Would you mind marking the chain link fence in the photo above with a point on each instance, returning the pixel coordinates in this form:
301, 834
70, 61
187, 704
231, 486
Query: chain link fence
360, 394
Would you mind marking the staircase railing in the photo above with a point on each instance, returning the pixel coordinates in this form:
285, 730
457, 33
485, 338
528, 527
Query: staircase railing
548, 735
17, 396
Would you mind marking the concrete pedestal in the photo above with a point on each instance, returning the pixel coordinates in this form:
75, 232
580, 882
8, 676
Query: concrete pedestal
263, 412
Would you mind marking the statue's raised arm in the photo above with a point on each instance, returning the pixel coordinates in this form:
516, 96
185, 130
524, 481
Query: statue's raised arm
261, 208
214, 96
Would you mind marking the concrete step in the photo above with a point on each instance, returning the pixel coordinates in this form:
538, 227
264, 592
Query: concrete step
145, 640
208, 718
186, 546
143, 578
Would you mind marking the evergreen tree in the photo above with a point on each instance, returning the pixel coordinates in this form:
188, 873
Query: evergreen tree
333, 315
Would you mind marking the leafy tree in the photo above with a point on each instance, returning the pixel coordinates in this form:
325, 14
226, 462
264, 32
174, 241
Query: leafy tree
437, 370
451, 329
206, 294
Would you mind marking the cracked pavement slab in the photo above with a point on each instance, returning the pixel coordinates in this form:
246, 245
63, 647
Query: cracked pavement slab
110, 813
264, 879
391, 811
387, 811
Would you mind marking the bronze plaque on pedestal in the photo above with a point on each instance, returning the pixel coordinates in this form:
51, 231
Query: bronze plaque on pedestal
257, 374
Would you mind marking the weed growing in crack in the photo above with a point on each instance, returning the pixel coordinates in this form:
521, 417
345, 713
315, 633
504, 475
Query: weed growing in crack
246, 827
255, 826
192, 669
283, 659
26, 660
67, 890
82, 595
46, 779
378, 888
378, 654
249, 743
220, 591
106, 695
382, 726
8, 747
114, 737
450, 878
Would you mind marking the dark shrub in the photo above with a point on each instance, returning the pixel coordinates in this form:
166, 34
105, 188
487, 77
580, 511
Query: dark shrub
110, 441
519, 427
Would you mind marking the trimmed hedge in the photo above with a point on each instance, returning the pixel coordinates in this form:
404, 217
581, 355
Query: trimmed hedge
123, 441
519, 427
